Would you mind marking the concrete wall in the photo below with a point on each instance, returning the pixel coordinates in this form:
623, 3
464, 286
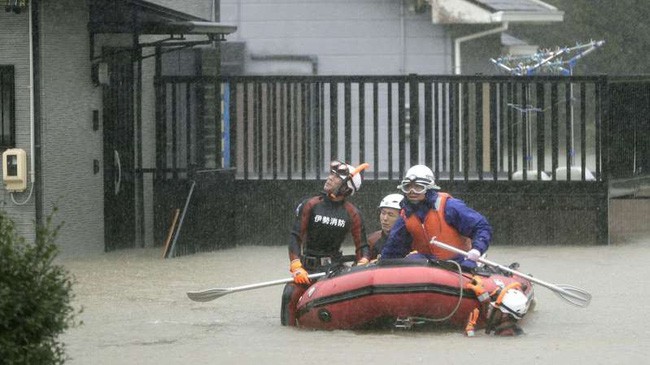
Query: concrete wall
347, 36
540, 214
14, 50
628, 219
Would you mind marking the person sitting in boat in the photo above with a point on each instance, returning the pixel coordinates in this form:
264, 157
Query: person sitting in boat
389, 209
322, 223
426, 214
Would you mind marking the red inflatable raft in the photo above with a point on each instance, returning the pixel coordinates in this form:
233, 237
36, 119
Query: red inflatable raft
400, 293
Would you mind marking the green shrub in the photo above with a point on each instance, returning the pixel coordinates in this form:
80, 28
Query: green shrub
35, 297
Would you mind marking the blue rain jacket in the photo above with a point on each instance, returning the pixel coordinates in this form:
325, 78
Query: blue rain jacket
464, 219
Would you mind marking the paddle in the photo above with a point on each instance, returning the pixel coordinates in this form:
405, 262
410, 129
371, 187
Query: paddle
571, 294
212, 294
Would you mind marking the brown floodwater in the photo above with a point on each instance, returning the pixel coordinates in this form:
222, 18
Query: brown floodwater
135, 311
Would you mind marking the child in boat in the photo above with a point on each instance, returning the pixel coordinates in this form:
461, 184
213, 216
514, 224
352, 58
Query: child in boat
322, 223
427, 214
388, 213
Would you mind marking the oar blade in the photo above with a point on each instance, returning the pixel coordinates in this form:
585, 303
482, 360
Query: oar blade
576, 296
212, 294
573, 295
207, 295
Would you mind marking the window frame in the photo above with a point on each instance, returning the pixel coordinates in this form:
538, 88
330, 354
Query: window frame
7, 107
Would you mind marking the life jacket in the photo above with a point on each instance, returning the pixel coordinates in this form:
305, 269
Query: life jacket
435, 226
376, 242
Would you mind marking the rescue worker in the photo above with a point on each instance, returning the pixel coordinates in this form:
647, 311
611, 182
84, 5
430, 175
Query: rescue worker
426, 214
322, 223
501, 308
389, 209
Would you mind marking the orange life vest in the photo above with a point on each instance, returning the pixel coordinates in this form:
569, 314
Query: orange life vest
435, 226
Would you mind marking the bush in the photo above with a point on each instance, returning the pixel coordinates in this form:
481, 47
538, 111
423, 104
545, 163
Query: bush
35, 297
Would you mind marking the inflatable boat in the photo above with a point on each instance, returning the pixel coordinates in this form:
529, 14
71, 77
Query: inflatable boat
406, 293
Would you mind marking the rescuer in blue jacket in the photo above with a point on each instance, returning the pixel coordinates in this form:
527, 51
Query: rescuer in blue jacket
427, 214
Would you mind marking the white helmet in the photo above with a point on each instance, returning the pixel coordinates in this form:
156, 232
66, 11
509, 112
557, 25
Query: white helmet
391, 201
420, 175
354, 182
343, 170
515, 303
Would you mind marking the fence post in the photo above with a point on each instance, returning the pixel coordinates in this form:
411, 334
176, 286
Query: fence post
414, 119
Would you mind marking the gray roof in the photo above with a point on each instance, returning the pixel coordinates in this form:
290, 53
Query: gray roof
514, 5
493, 11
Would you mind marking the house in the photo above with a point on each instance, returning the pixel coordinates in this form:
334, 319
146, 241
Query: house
77, 91
76, 94
373, 37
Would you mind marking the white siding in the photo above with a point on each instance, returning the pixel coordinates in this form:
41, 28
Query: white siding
69, 143
348, 37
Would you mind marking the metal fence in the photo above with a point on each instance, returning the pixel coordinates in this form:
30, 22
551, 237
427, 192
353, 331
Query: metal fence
464, 127
534, 154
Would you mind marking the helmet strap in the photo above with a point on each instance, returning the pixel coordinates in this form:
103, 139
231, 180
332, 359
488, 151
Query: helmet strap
342, 188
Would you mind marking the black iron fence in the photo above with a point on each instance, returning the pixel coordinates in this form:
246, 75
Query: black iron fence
629, 129
464, 127
507, 145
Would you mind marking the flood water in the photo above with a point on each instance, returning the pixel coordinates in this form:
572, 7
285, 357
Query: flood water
135, 311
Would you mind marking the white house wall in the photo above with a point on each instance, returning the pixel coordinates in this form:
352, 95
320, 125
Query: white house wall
347, 36
69, 142
14, 41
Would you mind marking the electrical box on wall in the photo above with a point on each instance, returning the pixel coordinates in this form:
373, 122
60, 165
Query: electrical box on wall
14, 169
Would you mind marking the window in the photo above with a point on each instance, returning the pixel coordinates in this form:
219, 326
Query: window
7, 108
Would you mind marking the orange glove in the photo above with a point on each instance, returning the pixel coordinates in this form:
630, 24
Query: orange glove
476, 285
362, 261
300, 275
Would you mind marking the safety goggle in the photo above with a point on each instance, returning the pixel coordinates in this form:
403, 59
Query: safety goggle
413, 187
340, 169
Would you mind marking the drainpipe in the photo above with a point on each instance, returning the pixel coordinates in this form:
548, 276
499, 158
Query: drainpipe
35, 115
459, 40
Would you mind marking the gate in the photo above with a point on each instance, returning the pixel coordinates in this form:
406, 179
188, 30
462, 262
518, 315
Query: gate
118, 146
